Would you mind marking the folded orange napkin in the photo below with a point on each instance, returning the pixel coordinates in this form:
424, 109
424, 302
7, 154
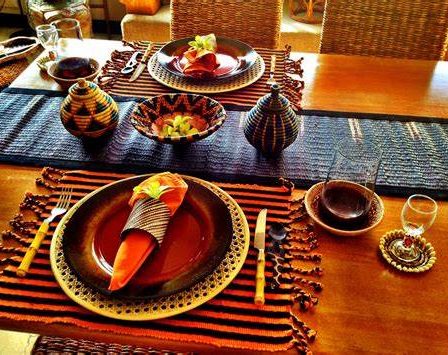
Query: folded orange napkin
153, 202
201, 56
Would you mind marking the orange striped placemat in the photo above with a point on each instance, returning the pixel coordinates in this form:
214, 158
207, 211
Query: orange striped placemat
116, 83
229, 320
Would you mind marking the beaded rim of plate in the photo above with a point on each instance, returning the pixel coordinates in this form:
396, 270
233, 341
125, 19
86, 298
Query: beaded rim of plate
427, 249
164, 306
163, 76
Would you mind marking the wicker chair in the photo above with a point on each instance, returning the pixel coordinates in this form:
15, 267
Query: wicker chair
416, 29
256, 22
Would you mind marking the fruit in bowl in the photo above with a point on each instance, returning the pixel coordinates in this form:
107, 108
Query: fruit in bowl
177, 125
68, 71
178, 118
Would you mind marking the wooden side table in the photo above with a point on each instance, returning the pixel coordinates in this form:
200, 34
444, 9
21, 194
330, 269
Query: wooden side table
305, 10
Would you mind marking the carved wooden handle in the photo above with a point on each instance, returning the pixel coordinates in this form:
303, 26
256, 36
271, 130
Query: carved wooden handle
259, 279
24, 266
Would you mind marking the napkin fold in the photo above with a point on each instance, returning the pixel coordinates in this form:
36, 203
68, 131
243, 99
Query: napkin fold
201, 56
153, 203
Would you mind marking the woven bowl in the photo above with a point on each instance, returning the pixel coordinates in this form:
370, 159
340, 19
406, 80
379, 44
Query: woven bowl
374, 217
148, 114
67, 83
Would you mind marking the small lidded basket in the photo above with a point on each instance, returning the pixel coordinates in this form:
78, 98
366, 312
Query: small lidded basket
271, 125
88, 111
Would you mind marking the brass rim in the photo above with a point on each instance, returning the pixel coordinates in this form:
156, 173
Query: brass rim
165, 306
242, 80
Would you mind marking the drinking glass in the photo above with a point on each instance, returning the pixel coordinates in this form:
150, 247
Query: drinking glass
69, 28
417, 216
348, 190
48, 37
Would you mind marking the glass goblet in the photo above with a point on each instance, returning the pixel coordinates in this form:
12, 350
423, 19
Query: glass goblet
69, 28
417, 216
48, 37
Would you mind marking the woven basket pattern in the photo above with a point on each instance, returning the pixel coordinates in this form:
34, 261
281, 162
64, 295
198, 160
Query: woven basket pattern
415, 29
256, 22
56, 345
10, 71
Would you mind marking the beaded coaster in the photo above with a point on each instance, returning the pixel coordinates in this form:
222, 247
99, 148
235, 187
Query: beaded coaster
424, 263
163, 76
43, 63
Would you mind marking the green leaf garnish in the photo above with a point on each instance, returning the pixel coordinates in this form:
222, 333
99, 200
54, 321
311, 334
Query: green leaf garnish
153, 189
207, 42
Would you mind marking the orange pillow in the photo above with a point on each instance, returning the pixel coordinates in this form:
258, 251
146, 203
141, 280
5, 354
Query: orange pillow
141, 7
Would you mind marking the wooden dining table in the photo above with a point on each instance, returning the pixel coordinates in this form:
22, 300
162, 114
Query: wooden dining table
366, 305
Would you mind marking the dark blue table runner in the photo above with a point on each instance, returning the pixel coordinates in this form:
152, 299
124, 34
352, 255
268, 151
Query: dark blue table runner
415, 155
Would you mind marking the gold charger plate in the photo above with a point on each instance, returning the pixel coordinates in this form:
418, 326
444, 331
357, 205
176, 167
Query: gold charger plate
164, 306
212, 86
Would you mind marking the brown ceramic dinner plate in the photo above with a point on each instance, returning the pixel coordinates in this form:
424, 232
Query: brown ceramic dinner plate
197, 239
234, 57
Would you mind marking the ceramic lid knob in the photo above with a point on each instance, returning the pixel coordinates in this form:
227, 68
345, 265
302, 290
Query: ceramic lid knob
82, 83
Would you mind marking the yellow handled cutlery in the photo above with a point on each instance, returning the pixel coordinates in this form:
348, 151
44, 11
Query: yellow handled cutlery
259, 243
60, 208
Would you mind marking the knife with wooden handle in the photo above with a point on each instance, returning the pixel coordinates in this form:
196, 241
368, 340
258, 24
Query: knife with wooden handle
259, 243
142, 64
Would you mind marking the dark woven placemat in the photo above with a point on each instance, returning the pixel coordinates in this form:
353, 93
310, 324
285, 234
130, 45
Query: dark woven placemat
67, 346
415, 153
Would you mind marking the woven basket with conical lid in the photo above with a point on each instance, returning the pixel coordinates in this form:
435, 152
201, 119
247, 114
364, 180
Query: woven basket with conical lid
88, 111
271, 125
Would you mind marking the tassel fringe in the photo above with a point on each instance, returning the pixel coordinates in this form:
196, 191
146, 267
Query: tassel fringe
22, 225
293, 87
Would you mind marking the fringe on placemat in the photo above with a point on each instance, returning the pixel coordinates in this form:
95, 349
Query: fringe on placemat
293, 87
299, 249
25, 223
110, 71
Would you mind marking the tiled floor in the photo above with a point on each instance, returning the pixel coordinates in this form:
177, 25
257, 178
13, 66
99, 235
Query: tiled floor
13, 343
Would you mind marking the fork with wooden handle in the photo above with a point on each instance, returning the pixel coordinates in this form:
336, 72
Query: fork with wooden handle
271, 81
60, 208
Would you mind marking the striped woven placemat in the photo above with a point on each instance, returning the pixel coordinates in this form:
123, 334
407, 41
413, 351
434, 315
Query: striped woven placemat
229, 320
116, 83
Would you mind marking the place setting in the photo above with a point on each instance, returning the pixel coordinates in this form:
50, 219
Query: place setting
206, 64
199, 248
103, 259
346, 205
